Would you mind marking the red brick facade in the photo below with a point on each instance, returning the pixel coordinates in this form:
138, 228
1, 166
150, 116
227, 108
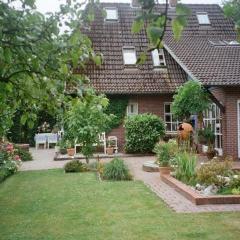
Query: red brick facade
229, 97
146, 104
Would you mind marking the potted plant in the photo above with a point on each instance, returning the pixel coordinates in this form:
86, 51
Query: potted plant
70, 148
165, 152
110, 147
208, 137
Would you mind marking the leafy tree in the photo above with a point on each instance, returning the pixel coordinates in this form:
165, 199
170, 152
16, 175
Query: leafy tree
232, 10
191, 98
85, 120
156, 22
37, 59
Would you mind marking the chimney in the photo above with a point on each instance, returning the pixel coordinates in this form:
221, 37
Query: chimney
135, 4
173, 3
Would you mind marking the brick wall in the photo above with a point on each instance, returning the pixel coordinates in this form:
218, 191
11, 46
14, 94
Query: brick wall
146, 104
229, 97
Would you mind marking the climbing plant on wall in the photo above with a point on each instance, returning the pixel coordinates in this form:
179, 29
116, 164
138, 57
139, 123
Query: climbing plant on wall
117, 108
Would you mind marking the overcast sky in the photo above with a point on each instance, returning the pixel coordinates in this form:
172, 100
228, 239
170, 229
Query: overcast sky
52, 5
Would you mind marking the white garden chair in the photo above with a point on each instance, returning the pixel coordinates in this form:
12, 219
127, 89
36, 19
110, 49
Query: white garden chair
115, 141
52, 139
40, 138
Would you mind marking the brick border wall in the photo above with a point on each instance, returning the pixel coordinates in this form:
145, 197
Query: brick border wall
146, 104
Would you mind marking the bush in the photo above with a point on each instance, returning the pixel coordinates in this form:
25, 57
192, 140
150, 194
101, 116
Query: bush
4, 173
165, 152
186, 167
75, 166
116, 170
143, 131
209, 173
23, 154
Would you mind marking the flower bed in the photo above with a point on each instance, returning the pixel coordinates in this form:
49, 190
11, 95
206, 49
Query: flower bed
9, 160
196, 197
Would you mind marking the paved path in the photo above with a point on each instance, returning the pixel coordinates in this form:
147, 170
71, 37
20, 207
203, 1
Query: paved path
43, 159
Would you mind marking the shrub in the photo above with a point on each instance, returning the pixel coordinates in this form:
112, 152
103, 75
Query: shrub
23, 154
143, 131
186, 167
165, 151
116, 170
4, 173
209, 173
75, 166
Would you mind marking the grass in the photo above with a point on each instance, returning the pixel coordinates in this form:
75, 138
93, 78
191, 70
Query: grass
52, 205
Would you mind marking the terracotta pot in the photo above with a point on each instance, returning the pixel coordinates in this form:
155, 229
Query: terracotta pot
165, 170
110, 150
211, 154
71, 152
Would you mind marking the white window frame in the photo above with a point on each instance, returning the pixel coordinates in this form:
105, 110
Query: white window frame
213, 117
157, 62
124, 56
201, 20
109, 19
132, 105
171, 122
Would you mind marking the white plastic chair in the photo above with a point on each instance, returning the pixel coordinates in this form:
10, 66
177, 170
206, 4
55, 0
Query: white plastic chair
115, 141
40, 139
102, 140
52, 138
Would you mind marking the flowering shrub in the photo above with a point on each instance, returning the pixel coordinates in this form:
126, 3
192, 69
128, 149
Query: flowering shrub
9, 161
44, 128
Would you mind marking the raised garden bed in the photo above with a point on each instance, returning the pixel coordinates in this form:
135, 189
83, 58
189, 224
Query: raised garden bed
197, 198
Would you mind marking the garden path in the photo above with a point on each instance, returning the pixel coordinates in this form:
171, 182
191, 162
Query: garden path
43, 159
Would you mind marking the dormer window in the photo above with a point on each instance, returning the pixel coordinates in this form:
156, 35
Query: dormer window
203, 18
158, 58
129, 56
111, 14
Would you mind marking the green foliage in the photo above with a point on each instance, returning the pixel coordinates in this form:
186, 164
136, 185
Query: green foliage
231, 9
186, 167
4, 173
116, 170
23, 154
156, 23
75, 166
143, 131
116, 109
165, 152
191, 98
208, 173
206, 136
35, 58
85, 120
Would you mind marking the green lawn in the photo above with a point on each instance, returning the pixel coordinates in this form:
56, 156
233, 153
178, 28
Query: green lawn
53, 205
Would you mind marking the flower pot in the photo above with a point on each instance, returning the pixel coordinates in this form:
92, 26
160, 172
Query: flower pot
165, 170
110, 150
71, 152
211, 154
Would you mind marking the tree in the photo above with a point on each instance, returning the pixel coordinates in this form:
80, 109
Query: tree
156, 22
232, 10
191, 98
37, 59
85, 119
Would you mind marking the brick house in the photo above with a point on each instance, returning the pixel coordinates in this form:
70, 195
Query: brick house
207, 52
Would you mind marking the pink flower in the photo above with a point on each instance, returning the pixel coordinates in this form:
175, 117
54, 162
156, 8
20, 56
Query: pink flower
9, 148
17, 158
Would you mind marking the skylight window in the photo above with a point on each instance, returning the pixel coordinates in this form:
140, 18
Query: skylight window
129, 56
111, 14
203, 18
158, 58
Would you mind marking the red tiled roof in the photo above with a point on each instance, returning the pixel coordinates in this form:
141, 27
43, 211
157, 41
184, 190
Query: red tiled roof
210, 64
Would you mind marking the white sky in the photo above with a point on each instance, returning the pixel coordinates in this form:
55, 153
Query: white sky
53, 5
